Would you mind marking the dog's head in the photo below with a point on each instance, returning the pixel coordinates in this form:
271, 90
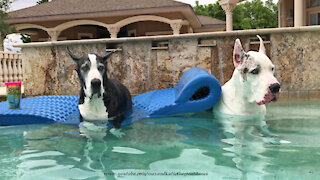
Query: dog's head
92, 72
256, 74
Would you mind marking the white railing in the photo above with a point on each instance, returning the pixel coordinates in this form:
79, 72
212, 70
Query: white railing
10, 67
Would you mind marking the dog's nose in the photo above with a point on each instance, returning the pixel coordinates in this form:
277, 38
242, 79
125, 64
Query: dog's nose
95, 83
274, 88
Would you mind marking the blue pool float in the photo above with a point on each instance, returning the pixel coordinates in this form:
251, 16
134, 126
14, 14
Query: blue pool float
41, 109
197, 90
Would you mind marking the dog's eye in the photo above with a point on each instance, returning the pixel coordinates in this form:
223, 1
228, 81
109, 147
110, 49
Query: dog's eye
272, 69
101, 68
255, 71
85, 68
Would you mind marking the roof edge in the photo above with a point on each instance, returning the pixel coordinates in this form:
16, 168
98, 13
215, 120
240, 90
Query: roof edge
196, 23
12, 20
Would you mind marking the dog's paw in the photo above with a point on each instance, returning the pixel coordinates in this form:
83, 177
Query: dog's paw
117, 132
267, 133
271, 140
275, 141
93, 127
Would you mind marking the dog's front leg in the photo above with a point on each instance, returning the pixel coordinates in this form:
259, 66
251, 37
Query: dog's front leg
117, 132
116, 122
270, 137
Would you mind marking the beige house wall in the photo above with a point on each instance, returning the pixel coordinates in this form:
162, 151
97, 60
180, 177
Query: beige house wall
73, 33
286, 12
311, 11
148, 26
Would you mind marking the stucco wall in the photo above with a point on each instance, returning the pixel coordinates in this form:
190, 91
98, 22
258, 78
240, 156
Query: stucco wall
297, 59
48, 69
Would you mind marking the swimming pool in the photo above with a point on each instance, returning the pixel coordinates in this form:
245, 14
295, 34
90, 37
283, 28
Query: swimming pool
193, 146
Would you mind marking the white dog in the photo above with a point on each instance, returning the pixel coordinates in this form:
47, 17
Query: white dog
252, 84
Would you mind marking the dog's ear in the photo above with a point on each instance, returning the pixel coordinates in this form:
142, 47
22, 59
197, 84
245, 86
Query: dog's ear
73, 57
238, 53
106, 57
262, 49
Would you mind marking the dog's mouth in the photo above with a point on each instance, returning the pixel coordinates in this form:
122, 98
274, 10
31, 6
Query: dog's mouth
96, 92
269, 97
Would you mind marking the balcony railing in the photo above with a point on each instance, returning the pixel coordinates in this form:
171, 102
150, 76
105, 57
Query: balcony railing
10, 69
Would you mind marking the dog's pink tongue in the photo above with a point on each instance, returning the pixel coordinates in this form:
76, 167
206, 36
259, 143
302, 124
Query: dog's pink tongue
267, 98
260, 103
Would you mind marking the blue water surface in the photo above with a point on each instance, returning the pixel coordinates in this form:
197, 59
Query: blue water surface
283, 145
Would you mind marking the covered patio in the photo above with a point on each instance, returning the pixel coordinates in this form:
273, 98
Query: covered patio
96, 19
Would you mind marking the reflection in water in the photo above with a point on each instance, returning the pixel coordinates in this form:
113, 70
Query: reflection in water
97, 154
287, 149
221, 148
191, 164
245, 138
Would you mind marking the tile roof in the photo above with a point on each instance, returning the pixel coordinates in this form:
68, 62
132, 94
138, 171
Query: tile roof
207, 21
67, 7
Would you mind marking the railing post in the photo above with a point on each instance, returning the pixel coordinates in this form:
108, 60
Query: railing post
10, 71
5, 67
10, 67
20, 74
15, 68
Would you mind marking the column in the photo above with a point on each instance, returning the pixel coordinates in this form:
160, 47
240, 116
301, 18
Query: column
20, 74
1, 42
228, 8
190, 29
54, 34
113, 30
176, 26
279, 14
298, 13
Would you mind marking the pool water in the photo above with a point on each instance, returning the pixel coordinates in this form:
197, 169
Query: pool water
283, 145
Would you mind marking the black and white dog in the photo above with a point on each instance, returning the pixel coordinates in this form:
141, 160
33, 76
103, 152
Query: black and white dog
101, 98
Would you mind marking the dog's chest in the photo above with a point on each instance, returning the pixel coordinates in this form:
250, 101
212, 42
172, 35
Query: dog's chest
93, 109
